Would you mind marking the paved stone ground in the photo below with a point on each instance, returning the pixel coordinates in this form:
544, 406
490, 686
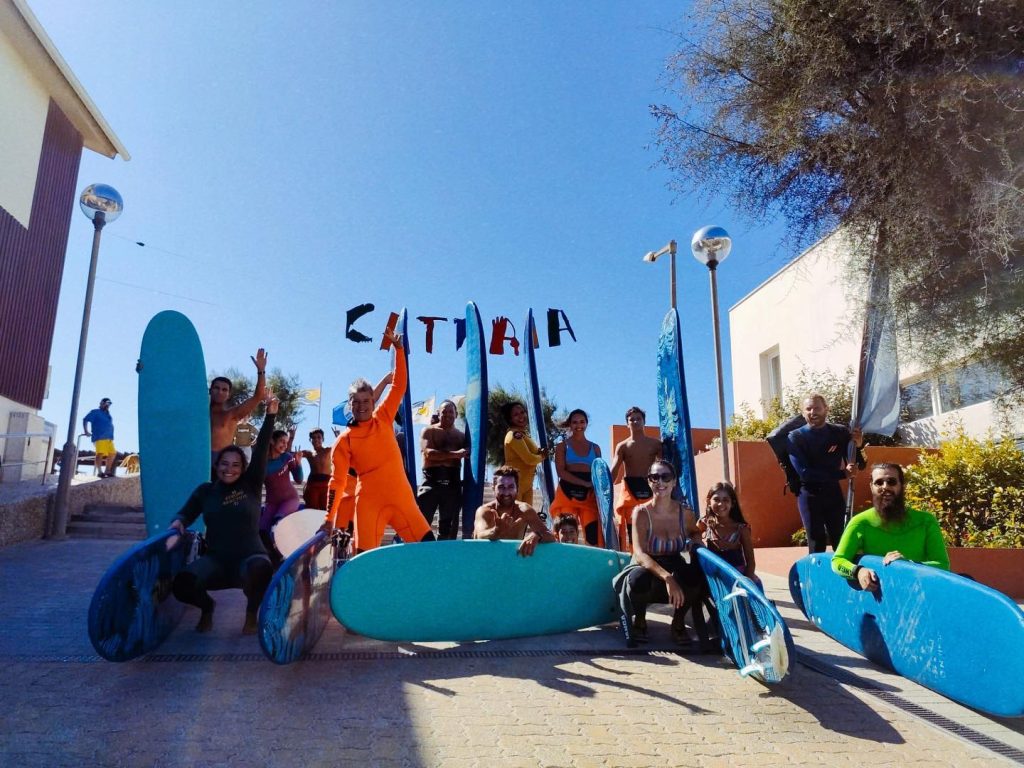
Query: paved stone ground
573, 699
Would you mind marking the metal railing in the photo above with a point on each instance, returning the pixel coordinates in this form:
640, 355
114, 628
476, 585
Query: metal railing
23, 435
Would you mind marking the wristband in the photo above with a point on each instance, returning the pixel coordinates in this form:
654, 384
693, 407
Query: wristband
855, 573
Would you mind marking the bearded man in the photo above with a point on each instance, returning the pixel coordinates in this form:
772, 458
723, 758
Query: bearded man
890, 530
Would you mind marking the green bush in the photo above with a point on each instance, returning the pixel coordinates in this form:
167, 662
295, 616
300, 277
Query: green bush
974, 488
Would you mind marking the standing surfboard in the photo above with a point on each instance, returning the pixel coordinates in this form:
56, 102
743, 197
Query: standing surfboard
674, 409
601, 478
535, 406
405, 409
475, 465
132, 610
424, 610
174, 418
951, 634
754, 634
296, 606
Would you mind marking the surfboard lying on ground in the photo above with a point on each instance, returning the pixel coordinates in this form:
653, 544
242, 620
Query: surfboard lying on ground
674, 409
951, 634
297, 606
475, 464
754, 634
404, 593
174, 418
535, 409
601, 478
132, 610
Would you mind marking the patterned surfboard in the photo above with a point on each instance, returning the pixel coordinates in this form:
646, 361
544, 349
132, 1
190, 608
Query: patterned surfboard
535, 406
674, 409
475, 465
601, 477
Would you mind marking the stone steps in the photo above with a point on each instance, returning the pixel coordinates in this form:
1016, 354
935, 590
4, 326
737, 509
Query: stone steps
108, 522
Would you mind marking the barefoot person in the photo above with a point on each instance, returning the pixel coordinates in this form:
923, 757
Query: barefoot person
634, 455
575, 493
383, 494
506, 518
224, 418
235, 555
443, 448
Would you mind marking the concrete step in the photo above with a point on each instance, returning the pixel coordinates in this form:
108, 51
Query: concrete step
81, 529
103, 513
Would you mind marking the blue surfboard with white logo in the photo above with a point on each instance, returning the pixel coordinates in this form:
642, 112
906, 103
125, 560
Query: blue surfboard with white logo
475, 465
674, 408
535, 407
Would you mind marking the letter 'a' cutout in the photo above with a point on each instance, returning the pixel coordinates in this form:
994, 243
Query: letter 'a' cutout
385, 342
500, 334
555, 330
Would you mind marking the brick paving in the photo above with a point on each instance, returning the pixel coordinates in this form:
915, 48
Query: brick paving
568, 700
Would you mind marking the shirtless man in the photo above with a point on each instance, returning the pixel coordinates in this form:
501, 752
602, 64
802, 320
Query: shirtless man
314, 495
635, 454
506, 518
443, 448
223, 418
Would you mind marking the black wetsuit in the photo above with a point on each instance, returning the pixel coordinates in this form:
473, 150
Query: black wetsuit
235, 554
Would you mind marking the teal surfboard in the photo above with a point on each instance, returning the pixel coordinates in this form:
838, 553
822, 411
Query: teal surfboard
951, 634
404, 593
754, 634
535, 407
674, 408
174, 418
601, 477
475, 466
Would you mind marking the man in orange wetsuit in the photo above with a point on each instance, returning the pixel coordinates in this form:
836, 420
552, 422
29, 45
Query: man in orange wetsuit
367, 445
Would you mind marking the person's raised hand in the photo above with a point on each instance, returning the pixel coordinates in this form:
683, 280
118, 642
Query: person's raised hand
260, 360
272, 403
394, 337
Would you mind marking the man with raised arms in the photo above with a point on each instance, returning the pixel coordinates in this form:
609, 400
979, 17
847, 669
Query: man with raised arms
890, 529
634, 455
506, 518
224, 418
443, 448
367, 445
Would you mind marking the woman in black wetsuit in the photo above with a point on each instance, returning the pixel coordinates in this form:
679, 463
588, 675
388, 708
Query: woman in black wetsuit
235, 555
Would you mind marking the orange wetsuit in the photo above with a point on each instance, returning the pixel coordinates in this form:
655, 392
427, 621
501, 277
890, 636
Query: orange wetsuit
629, 498
383, 494
583, 509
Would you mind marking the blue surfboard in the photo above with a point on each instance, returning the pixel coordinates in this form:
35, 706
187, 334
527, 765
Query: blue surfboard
132, 610
405, 409
601, 478
297, 605
423, 609
951, 634
674, 408
174, 418
535, 406
475, 465
754, 634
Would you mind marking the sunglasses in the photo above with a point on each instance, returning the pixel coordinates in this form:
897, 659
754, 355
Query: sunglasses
660, 477
892, 482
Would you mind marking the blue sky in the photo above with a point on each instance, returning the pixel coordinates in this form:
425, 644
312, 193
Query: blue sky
291, 161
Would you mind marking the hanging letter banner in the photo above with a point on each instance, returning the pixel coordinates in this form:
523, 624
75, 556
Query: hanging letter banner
350, 317
500, 334
555, 330
429, 321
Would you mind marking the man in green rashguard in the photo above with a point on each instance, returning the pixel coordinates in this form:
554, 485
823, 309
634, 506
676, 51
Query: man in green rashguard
890, 529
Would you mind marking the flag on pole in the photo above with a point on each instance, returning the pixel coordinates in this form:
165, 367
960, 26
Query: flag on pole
311, 396
876, 403
422, 411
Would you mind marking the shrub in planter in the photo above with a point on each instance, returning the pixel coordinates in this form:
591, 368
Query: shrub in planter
974, 487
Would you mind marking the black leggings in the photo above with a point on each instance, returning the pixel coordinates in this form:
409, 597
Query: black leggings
645, 588
252, 575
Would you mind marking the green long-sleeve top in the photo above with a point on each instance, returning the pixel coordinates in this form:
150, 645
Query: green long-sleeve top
917, 537
232, 512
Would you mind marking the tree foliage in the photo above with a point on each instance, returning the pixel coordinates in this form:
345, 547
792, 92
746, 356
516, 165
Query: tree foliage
497, 397
288, 390
973, 487
898, 121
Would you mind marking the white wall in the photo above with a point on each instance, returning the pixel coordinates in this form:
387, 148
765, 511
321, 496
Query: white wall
23, 107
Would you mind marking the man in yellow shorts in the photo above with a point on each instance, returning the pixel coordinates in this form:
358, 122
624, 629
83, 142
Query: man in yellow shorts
102, 435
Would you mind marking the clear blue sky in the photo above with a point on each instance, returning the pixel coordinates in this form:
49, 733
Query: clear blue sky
290, 161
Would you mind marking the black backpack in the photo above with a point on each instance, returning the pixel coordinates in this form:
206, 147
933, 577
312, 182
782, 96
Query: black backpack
778, 439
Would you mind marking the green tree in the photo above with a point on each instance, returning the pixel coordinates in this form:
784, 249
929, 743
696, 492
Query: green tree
897, 121
288, 389
497, 397
973, 487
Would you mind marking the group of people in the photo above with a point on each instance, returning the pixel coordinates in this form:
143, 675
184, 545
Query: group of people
361, 484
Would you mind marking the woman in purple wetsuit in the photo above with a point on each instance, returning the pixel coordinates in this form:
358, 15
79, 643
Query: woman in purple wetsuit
282, 499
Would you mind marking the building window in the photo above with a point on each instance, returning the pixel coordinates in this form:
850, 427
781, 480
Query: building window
771, 377
970, 385
916, 401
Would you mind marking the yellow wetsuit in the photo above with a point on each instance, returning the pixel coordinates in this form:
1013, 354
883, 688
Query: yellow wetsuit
523, 455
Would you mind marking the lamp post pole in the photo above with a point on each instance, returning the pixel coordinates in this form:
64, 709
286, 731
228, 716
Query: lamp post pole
102, 204
652, 256
711, 246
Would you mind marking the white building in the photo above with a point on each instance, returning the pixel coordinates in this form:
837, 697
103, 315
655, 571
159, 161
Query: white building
802, 318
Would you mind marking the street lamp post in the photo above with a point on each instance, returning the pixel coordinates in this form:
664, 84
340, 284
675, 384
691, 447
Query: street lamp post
102, 204
711, 246
652, 256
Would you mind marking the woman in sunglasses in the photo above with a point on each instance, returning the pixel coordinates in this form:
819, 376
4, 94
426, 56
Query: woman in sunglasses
662, 530
726, 533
